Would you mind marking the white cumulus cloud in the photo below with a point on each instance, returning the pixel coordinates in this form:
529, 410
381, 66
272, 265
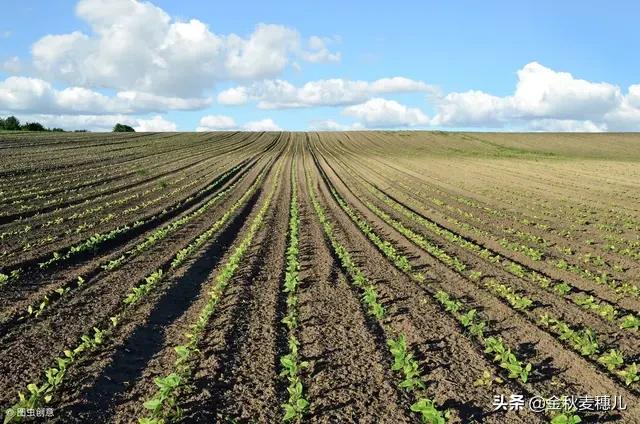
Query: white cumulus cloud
378, 113
544, 99
155, 124
233, 96
565, 125
633, 97
25, 94
216, 123
543, 92
319, 51
331, 125
327, 125
35, 95
226, 123
262, 125
279, 94
137, 46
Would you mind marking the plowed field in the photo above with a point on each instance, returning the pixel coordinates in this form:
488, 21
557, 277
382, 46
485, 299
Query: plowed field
366, 277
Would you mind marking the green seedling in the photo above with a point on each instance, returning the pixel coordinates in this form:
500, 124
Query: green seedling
562, 289
404, 362
631, 322
630, 374
467, 318
507, 359
566, 418
429, 413
487, 379
612, 359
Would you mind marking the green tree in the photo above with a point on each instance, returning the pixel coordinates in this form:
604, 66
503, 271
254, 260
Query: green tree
122, 128
33, 126
12, 124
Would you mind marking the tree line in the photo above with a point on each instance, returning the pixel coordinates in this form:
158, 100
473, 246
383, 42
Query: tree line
13, 124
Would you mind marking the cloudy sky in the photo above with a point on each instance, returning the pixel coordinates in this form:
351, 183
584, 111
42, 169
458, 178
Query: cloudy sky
199, 65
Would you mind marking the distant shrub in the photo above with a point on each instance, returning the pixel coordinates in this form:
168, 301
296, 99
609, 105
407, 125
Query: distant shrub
122, 128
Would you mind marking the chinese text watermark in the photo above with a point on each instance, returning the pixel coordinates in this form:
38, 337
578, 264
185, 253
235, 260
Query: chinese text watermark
581, 403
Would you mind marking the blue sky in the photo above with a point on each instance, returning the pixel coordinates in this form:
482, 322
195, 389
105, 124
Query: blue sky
496, 65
